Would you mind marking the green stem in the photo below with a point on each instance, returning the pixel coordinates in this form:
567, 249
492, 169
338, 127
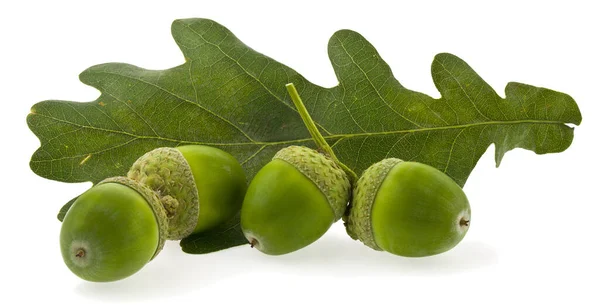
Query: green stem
314, 131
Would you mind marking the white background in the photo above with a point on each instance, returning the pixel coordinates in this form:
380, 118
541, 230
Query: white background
534, 235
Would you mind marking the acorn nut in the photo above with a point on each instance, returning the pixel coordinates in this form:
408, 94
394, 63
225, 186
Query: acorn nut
199, 186
408, 209
112, 230
293, 200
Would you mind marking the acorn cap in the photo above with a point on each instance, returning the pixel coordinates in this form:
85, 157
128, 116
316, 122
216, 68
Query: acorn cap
323, 172
358, 222
165, 171
154, 203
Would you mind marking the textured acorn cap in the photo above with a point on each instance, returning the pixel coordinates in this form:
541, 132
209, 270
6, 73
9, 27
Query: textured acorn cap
154, 203
358, 222
166, 171
323, 172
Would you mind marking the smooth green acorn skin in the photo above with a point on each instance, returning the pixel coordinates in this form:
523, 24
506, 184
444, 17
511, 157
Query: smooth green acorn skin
417, 211
221, 184
283, 210
115, 227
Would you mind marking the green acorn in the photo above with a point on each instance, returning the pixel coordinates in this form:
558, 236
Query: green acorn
293, 200
112, 230
408, 209
199, 186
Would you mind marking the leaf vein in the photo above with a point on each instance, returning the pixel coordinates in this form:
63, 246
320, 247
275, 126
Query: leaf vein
248, 72
184, 100
373, 86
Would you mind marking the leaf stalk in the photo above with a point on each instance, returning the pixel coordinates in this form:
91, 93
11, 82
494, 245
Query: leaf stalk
322, 144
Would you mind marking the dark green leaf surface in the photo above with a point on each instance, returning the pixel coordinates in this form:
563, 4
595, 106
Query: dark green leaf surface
224, 236
65, 208
229, 96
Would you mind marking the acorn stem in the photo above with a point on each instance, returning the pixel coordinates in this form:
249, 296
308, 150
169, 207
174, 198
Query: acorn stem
314, 132
464, 222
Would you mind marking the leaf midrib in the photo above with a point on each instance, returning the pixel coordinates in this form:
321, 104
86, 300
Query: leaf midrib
329, 137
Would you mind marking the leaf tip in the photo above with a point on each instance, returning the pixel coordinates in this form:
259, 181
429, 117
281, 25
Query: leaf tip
188, 22
343, 34
29, 118
441, 57
570, 113
499, 154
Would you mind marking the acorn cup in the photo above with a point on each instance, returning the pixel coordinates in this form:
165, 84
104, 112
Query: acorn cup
115, 228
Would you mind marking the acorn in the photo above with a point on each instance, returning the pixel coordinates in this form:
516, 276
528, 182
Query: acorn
199, 186
408, 209
115, 228
112, 230
293, 200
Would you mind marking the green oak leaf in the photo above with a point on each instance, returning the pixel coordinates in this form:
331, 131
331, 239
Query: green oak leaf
229, 96
226, 235
65, 208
